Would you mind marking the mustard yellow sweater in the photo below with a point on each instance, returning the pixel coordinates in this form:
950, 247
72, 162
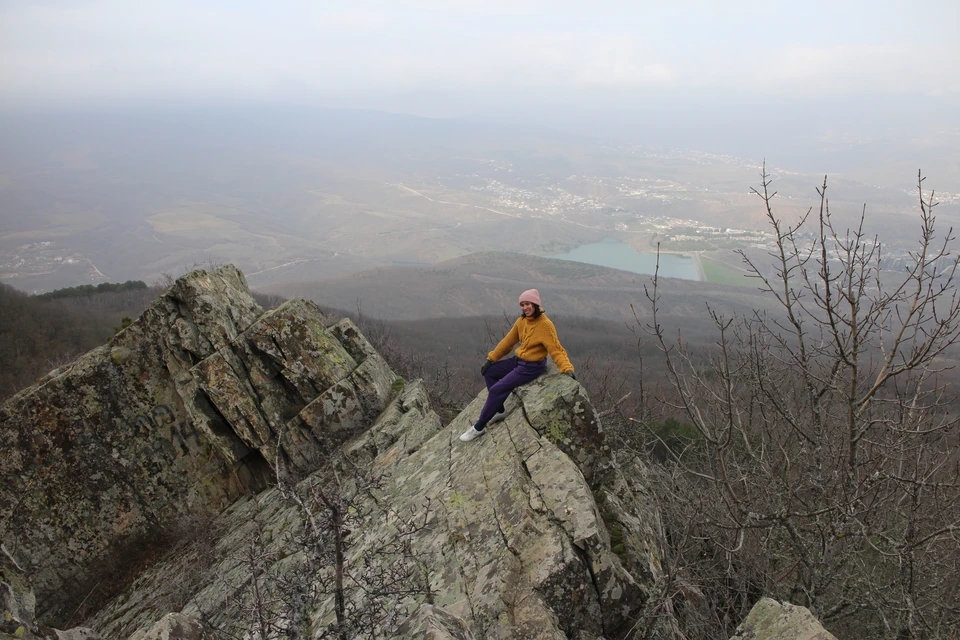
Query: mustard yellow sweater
537, 338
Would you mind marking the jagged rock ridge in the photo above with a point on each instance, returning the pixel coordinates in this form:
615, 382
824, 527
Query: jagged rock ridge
206, 401
514, 544
181, 413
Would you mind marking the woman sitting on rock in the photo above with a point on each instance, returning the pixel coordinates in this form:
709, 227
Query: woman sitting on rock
537, 337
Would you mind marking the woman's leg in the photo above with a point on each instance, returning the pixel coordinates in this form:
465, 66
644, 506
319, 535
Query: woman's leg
495, 372
498, 392
498, 370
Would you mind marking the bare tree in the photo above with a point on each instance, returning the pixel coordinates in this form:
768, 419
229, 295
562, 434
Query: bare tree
370, 584
826, 441
365, 587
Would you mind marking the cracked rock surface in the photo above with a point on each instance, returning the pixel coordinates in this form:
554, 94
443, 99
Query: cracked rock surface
514, 544
182, 413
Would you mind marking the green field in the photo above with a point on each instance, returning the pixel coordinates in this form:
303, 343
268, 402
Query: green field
719, 273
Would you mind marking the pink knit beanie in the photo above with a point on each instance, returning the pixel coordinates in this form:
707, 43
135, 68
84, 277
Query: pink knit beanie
530, 295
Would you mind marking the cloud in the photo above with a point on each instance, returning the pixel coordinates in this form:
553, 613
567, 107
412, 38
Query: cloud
526, 60
844, 69
184, 50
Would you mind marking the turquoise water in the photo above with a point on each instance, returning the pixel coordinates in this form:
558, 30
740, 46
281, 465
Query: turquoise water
618, 255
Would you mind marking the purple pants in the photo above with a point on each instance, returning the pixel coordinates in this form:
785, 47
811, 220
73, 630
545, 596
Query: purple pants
503, 377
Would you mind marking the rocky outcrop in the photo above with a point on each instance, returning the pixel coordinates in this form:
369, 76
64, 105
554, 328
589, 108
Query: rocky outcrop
315, 460
503, 535
181, 413
563, 414
771, 620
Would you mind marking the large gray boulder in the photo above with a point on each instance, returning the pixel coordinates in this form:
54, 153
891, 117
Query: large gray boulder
182, 413
772, 620
176, 626
504, 537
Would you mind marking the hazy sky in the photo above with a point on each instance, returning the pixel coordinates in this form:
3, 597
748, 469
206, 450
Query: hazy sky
456, 58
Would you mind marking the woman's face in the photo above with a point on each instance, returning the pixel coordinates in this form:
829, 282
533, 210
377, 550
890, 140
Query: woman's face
526, 308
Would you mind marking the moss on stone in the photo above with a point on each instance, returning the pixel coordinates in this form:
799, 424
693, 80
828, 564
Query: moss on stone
616, 542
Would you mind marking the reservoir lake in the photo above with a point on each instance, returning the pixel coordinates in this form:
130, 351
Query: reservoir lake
619, 255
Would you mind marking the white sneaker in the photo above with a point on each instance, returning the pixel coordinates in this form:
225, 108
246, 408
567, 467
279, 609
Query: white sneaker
472, 433
500, 416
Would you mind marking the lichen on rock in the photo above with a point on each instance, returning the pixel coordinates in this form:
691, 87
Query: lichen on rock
513, 543
772, 620
560, 410
183, 412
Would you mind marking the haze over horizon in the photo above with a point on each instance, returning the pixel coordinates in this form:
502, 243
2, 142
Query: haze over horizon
136, 138
677, 73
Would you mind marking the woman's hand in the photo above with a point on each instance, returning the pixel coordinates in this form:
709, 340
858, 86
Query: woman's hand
485, 366
570, 373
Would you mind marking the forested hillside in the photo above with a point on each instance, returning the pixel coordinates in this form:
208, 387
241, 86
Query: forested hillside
38, 335
41, 333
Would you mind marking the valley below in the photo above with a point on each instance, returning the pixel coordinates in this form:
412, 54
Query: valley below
335, 193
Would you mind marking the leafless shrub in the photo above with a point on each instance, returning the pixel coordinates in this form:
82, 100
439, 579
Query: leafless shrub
289, 581
366, 591
825, 471
188, 540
